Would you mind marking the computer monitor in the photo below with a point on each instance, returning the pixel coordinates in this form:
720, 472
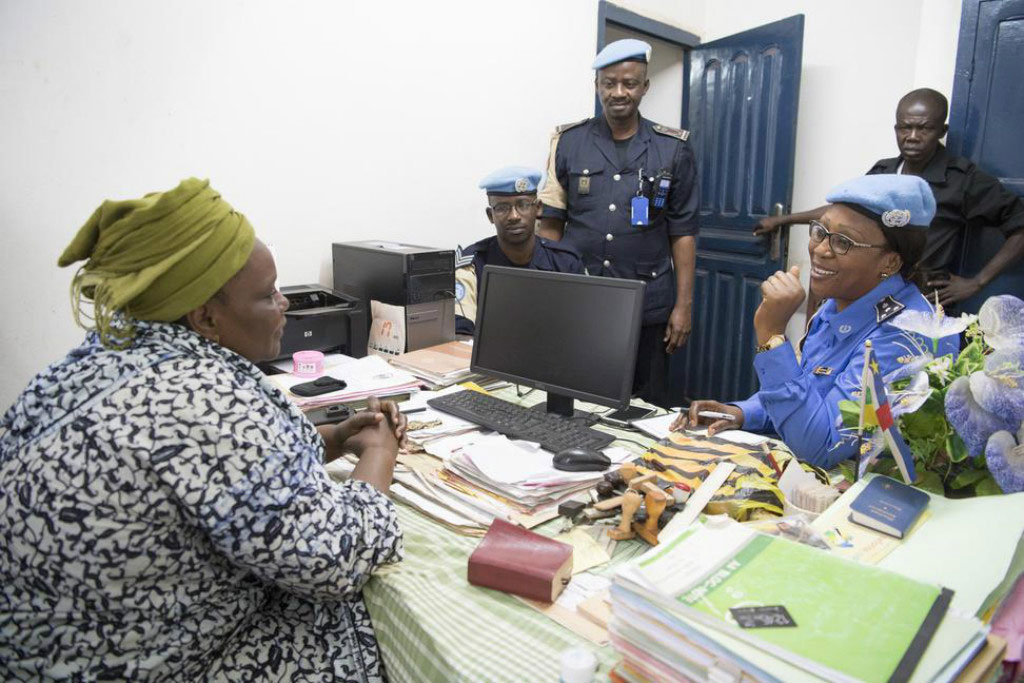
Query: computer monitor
573, 336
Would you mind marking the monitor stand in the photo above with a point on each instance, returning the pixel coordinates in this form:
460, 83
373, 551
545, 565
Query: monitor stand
560, 404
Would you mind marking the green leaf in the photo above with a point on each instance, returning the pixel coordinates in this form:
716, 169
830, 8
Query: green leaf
931, 482
850, 412
955, 447
968, 478
847, 471
988, 487
972, 358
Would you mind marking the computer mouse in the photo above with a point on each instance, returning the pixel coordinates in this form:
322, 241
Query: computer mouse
581, 460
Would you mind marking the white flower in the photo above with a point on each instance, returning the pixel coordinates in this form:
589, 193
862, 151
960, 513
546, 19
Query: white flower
911, 397
933, 324
941, 367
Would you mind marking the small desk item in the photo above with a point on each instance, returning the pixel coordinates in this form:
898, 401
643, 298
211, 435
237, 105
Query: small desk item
322, 385
581, 460
631, 501
888, 506
516, 560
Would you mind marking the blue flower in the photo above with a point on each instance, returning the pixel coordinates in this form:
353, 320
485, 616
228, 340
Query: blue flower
1004, 456
999, 389
1001, 319
973, 423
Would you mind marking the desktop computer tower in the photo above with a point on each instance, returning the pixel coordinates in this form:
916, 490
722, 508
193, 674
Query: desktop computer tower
421, 279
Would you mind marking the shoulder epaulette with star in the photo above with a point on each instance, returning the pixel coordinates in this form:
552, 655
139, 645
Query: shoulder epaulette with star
677, 133
887, 308
567, 126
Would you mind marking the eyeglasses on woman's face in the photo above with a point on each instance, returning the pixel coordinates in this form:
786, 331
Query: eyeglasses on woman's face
839, 243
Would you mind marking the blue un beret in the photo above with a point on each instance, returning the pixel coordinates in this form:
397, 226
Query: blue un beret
629, 49
895, 201
512, 180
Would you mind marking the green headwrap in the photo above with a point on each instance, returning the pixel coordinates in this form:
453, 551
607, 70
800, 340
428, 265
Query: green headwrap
155, 258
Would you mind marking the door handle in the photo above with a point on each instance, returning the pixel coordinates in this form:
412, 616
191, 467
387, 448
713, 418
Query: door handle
776, 246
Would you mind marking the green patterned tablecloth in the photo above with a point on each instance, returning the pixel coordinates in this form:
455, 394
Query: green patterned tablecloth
433, 626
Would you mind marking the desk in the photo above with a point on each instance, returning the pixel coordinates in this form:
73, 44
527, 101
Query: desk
432, 625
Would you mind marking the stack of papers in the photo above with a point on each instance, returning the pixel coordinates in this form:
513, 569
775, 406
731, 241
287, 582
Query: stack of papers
520, 471
438, 366
364, 377
723, 602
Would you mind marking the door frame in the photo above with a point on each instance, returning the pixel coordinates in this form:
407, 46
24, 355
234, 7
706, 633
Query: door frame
962, 75
608, 13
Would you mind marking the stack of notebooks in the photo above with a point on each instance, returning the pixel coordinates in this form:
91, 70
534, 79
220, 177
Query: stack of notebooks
721, 601
438, 366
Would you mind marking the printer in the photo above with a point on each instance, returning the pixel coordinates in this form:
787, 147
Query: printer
320, 319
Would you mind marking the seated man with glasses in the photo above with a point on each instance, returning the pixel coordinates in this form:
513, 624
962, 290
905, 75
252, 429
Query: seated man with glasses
866, 243
512, 209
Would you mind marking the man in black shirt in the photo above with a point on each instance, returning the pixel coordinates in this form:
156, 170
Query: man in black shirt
964, 194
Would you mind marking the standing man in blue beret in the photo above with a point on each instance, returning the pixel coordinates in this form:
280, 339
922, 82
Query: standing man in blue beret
512, 208
966, 197
623, 191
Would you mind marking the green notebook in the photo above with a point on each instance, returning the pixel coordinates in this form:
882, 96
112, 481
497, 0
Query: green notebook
832, 617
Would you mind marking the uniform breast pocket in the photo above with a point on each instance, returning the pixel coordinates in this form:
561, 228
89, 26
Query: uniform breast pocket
586, 183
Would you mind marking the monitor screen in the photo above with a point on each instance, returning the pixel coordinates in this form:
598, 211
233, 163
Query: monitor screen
570, 335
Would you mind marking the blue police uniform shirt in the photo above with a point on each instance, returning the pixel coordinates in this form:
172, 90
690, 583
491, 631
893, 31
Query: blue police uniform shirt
591, 190
547, 255
799, 400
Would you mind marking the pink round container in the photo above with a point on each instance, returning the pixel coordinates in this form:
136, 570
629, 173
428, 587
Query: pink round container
307, 363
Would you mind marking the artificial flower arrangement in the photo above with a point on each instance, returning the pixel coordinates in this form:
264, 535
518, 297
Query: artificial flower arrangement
963, 419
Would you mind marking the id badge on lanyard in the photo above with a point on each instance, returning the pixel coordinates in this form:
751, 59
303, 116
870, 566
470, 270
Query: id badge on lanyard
639, 206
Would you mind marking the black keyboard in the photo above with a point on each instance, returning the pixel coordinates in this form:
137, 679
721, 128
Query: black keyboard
553, 432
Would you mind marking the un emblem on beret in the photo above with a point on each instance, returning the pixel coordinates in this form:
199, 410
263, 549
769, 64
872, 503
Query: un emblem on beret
522, 184
895, 218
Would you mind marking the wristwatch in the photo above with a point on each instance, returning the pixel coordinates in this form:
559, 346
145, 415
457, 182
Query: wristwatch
774, 341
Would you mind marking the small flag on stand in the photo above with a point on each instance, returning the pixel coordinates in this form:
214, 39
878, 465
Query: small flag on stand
871, 382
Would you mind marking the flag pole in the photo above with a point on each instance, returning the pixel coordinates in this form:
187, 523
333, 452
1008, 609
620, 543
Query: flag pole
863, 406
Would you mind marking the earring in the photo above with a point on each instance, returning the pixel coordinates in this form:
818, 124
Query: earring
882, 276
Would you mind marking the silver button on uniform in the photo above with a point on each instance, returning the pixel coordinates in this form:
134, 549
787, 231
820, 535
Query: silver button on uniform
609, 237
611, 207
616, 177
607, 263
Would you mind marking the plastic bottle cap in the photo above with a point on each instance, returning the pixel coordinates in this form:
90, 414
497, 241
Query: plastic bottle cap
578, 665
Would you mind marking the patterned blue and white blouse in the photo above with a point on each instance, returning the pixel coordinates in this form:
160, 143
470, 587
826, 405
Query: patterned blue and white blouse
165, 515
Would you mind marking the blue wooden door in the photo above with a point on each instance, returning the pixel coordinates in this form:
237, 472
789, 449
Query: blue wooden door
986, 122
741, 113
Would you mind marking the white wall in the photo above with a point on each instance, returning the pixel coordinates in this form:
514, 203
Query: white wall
327, 121
664, 100
321, 121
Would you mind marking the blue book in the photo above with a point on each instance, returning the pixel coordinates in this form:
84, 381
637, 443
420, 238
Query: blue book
888, 506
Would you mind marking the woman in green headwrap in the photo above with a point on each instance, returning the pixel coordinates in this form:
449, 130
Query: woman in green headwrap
167, 512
